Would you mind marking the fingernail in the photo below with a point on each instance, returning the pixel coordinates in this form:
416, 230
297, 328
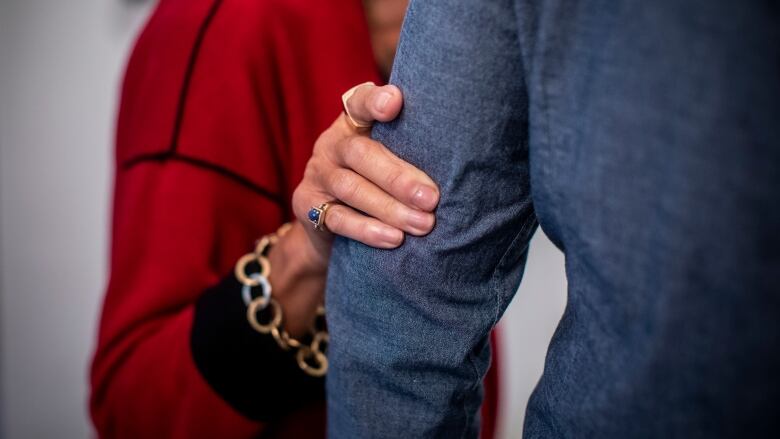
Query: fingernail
390, 236
425, 198
382, 100
420, 220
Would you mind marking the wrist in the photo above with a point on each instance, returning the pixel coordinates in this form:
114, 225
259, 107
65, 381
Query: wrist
298, 276
299, 256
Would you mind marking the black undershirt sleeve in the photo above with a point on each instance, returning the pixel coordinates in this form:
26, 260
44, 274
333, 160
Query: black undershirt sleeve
248, 369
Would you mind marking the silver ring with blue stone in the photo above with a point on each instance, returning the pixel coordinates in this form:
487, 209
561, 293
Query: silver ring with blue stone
317, 216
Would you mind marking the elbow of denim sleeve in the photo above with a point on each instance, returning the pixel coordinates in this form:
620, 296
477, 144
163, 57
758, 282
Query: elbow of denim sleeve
410, 326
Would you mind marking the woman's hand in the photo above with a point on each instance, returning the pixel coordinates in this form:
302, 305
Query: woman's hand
378, 197
375, 198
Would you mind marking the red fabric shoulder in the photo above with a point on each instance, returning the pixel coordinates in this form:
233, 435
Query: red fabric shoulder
244, 85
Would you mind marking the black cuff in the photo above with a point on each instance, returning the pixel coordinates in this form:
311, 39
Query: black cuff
246, 368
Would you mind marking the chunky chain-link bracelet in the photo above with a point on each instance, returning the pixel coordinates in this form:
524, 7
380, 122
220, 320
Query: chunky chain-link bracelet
265, 314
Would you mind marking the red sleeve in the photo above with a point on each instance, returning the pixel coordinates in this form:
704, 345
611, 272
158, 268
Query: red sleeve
221, 104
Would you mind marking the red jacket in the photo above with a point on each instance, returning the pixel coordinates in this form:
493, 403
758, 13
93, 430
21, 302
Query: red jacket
221, 104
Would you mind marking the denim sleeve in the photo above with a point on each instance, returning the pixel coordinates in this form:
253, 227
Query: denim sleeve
409, 327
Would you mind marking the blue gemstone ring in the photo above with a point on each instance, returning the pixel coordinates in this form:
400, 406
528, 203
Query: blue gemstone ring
317, 216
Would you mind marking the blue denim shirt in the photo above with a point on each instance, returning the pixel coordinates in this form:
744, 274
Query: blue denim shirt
643, 138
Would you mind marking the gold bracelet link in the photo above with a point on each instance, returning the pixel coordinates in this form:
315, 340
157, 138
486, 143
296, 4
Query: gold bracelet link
284, 340
243, 261
264, 328
305, 355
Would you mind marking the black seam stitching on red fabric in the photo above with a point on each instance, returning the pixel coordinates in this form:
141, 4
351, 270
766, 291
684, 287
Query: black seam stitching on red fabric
185, 87
203, 164
172, 153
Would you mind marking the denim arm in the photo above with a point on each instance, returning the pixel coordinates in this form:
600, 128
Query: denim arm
409, 327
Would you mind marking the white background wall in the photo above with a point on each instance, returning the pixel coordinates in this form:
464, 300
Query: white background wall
60, 63
60, 66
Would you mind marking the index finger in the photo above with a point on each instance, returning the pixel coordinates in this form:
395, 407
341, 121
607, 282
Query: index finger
371, 103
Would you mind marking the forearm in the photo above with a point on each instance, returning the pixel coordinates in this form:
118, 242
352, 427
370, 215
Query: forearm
298, 270
409, 327
247, 369
224, 343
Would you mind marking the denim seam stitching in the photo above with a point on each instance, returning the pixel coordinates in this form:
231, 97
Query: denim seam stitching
494, 285
494, 276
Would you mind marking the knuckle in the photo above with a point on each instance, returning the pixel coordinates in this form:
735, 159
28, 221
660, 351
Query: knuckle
341, 149
299, 202
327, 145
310, 172
296, 196
314, 171
394, 180
357, 150
322, 142
344, 185
393, 177
390, 208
